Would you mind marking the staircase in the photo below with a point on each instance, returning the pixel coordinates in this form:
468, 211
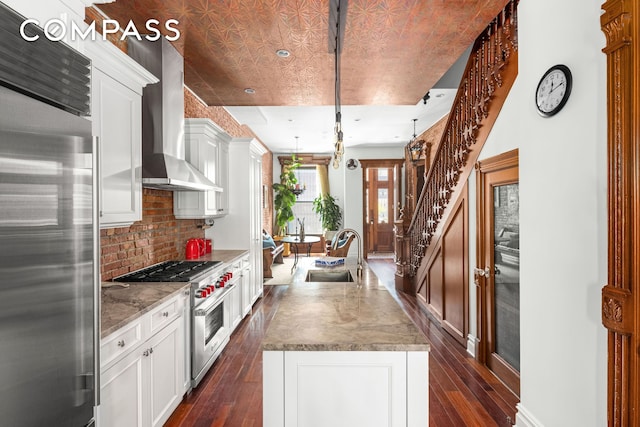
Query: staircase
490, 72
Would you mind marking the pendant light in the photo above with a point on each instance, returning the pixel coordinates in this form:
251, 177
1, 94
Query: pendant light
338, 11
297, 188
415, 146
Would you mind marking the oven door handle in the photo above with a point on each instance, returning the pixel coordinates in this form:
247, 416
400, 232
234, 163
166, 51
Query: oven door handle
210, 304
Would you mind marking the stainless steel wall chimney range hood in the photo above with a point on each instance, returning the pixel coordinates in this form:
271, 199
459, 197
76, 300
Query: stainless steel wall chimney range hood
163, 149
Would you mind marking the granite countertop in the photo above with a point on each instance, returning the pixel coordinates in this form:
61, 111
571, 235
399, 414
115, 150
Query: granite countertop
224, 255
120, 305
327, 316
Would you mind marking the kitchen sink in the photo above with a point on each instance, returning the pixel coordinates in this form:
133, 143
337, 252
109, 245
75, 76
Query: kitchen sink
329, 276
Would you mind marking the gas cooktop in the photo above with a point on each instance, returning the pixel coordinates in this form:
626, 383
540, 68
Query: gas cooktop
170, 271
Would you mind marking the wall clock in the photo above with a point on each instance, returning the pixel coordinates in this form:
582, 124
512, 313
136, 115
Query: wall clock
553, 90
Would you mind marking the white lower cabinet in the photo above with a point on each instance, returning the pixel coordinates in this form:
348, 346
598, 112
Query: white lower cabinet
121, 393
143, 385
235, 296
345, 388
234, 306
246, 294
165, 360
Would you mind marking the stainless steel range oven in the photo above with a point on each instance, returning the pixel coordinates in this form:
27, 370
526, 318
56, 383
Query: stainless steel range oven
210, 330
210, 327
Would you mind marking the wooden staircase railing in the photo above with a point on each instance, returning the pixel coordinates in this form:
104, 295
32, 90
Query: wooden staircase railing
488, 77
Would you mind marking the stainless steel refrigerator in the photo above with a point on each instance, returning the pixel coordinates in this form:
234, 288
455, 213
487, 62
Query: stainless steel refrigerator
48, 238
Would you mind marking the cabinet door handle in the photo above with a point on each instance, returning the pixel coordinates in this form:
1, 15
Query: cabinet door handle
121, 343
145, 353
151, 350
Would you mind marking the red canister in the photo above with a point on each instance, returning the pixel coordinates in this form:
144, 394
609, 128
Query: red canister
208, 245
202, 246
192, 250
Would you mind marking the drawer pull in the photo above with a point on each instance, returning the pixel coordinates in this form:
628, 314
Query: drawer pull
121, 343
165, 314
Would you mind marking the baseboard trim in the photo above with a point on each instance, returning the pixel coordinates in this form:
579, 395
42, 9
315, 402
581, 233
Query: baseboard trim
471, 345
524, 418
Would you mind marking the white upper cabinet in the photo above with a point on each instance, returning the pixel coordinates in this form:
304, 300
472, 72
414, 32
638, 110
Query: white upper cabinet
222, 197
116, 110
207, 148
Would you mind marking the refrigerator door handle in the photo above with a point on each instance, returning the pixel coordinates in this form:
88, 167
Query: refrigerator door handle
96, 267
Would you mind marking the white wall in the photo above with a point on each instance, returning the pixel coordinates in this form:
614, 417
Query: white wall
563, 222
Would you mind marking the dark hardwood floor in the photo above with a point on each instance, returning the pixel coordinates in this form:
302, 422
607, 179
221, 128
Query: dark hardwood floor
462, 392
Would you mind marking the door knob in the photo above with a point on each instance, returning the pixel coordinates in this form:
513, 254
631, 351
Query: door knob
482, 273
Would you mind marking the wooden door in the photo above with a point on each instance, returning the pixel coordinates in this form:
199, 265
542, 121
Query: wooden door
380, 212
497, 272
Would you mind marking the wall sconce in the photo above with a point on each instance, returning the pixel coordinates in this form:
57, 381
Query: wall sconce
415, 146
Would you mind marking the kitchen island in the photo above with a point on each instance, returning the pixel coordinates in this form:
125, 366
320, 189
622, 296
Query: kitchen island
343, 354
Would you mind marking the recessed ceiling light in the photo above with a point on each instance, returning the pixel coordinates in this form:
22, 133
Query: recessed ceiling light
283, 53
250, 91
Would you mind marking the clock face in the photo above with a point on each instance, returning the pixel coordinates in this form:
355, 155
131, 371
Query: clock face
553, 90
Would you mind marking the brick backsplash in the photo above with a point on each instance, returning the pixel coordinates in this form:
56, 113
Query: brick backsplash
158, 237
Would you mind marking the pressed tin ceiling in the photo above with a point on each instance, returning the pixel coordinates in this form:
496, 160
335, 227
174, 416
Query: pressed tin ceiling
394, 51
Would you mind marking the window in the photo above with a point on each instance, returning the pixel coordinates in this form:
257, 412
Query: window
303, 209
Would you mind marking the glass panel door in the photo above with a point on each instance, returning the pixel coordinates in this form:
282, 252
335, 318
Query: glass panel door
507, 273
497, 272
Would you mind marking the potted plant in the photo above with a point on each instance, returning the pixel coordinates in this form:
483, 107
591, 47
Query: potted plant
284, 198
330, 214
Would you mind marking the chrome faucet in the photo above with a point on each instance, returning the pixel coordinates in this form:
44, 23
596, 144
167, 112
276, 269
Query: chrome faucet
351, 230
